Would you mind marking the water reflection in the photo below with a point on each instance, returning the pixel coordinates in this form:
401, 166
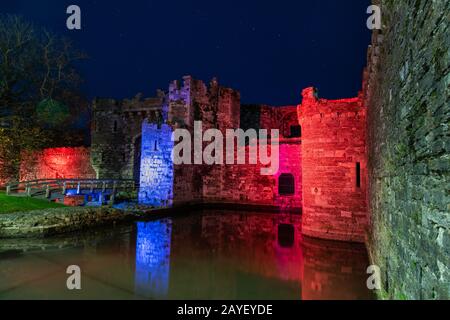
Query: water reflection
207, 255
220, 255
153, 259
334, 270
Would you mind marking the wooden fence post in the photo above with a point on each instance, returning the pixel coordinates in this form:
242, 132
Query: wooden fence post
47, 191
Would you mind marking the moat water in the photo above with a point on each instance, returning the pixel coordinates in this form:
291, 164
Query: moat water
208, 255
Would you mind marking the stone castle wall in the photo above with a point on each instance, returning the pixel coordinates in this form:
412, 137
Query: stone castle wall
385, 152
246, 185
163, 183
116, 134
157, 169
57, 163
218, 107
407, 86
334, 167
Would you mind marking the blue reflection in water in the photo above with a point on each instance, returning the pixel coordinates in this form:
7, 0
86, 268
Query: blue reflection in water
153, 259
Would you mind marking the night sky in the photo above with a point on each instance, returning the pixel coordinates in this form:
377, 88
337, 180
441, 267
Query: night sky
269, 50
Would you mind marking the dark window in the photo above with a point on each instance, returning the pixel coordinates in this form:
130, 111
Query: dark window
137, 159
296, 131
286, 185
358, 175
115, 126
156, 145
286, 235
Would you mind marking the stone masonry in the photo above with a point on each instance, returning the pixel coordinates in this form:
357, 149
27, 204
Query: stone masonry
56, 163
116, 134
219, 107
407, 86
334, 167
157, 166
374, 168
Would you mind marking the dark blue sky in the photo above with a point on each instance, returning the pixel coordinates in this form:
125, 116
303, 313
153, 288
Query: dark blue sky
269, 50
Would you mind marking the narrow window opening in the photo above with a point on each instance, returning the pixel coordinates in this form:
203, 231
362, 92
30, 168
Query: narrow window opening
358, 175
156, 145
115, 126
296, 131
286, 185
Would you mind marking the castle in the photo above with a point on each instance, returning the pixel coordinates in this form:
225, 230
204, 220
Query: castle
322, 162
378, 162
321, 145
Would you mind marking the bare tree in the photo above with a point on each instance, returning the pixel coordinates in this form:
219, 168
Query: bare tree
36, 67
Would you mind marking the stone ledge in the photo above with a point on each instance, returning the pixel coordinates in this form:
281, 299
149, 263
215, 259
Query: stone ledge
48, 222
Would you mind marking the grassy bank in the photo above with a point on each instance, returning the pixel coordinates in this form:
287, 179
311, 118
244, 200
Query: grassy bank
16, 204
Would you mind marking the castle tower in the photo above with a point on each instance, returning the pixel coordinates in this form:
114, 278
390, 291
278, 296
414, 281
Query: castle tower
334, 167
157, 169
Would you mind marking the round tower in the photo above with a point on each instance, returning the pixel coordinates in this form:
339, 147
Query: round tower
334, 167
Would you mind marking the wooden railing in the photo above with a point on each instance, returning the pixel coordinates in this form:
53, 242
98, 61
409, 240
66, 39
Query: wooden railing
46, 187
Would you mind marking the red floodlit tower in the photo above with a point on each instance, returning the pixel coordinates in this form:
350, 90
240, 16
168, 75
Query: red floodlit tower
334, 167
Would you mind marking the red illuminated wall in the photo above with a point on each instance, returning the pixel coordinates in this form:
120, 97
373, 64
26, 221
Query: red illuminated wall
240, 183
57, 163
328, 163
245, 184
333, 142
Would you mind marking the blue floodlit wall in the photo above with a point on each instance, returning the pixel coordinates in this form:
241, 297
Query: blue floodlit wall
153, 259
156, 165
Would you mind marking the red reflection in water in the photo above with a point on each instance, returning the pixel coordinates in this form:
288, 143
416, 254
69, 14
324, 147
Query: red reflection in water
261, 256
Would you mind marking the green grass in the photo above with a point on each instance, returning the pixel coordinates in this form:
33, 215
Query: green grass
16, 204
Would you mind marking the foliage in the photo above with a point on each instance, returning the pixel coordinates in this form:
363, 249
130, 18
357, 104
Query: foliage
52, 112
39, 98
13, 140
